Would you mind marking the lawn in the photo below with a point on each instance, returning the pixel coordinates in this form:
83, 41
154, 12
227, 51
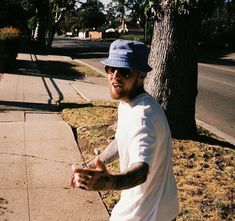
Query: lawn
204, 167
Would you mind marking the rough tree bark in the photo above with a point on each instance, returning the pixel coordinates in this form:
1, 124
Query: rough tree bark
43, 13
173, 57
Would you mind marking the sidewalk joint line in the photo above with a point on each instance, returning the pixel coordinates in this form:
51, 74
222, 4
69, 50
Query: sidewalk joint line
26, 169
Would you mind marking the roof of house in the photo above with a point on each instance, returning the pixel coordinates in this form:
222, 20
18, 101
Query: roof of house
129, 27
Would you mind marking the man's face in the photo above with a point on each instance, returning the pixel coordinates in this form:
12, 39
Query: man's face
124, 84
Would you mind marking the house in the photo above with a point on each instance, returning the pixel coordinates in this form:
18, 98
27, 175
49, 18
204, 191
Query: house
130, 28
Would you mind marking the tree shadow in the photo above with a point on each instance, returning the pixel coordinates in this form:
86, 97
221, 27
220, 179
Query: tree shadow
72, 105
214, 141
62, 70
29, 106
53, 69
206, 137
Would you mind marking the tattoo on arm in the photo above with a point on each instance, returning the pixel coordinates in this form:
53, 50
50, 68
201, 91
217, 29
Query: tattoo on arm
103, 183
135, 175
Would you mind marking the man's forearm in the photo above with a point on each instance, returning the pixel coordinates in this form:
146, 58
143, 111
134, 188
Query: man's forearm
110, 154
99, 179
135, 175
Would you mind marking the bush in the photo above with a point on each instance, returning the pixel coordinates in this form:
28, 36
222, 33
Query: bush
133, 37
9, 33
9, 38
137, 37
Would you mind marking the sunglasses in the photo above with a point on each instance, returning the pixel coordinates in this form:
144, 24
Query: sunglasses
123, 72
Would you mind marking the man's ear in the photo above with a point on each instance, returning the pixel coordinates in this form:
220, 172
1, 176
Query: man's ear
141, 78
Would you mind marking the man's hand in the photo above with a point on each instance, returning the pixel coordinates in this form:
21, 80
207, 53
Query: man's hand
92, 164
96, 178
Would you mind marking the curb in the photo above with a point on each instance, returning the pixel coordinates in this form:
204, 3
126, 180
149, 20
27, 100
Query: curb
220, 67
80, 93
216, 131
90, 66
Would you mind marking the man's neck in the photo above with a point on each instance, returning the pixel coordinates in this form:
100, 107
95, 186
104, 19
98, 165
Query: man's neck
134, 95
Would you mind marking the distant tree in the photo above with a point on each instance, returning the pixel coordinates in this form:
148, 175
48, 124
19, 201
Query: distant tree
218, 26
42, 17
50, 13
69, 22
111, 14
136, 10
57, 8
120, 8
42, 12
90, 15
45, 17
12, 14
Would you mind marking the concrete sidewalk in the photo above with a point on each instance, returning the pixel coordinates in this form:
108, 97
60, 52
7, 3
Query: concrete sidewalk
37, 149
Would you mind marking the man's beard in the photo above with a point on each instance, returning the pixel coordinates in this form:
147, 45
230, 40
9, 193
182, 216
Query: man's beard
122, 94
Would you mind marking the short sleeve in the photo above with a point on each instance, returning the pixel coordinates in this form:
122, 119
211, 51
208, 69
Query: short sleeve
143, 143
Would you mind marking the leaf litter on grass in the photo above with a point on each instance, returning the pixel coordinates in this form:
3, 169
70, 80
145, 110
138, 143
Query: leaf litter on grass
204, 167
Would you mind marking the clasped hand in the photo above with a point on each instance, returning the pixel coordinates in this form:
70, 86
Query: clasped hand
91, 178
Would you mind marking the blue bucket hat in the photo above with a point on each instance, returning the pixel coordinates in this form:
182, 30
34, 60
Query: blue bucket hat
128, 54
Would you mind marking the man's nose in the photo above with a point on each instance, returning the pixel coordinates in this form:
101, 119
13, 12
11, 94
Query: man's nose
116, 73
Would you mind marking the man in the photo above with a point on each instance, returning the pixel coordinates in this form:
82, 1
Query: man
142, 143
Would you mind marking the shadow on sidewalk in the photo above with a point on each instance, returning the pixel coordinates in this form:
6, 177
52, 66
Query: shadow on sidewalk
49, 71
29, 106
53, 69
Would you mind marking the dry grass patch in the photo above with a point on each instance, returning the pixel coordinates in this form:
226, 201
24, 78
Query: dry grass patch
86, 71
92, 121
204, 168
205, 180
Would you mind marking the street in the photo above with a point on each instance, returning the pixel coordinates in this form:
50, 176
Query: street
215, 103
216, 97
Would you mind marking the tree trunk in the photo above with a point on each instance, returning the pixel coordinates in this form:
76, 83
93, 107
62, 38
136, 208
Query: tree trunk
43, 13
173, 80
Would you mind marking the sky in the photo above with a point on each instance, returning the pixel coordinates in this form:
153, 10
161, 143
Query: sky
105, 2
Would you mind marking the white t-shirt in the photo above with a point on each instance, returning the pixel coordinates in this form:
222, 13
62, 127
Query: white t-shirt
143, 135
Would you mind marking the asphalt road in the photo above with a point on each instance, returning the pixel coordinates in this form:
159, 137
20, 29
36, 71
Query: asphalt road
215, 103
216, 97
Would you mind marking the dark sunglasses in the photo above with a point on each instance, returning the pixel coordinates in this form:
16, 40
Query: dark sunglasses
123, 72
